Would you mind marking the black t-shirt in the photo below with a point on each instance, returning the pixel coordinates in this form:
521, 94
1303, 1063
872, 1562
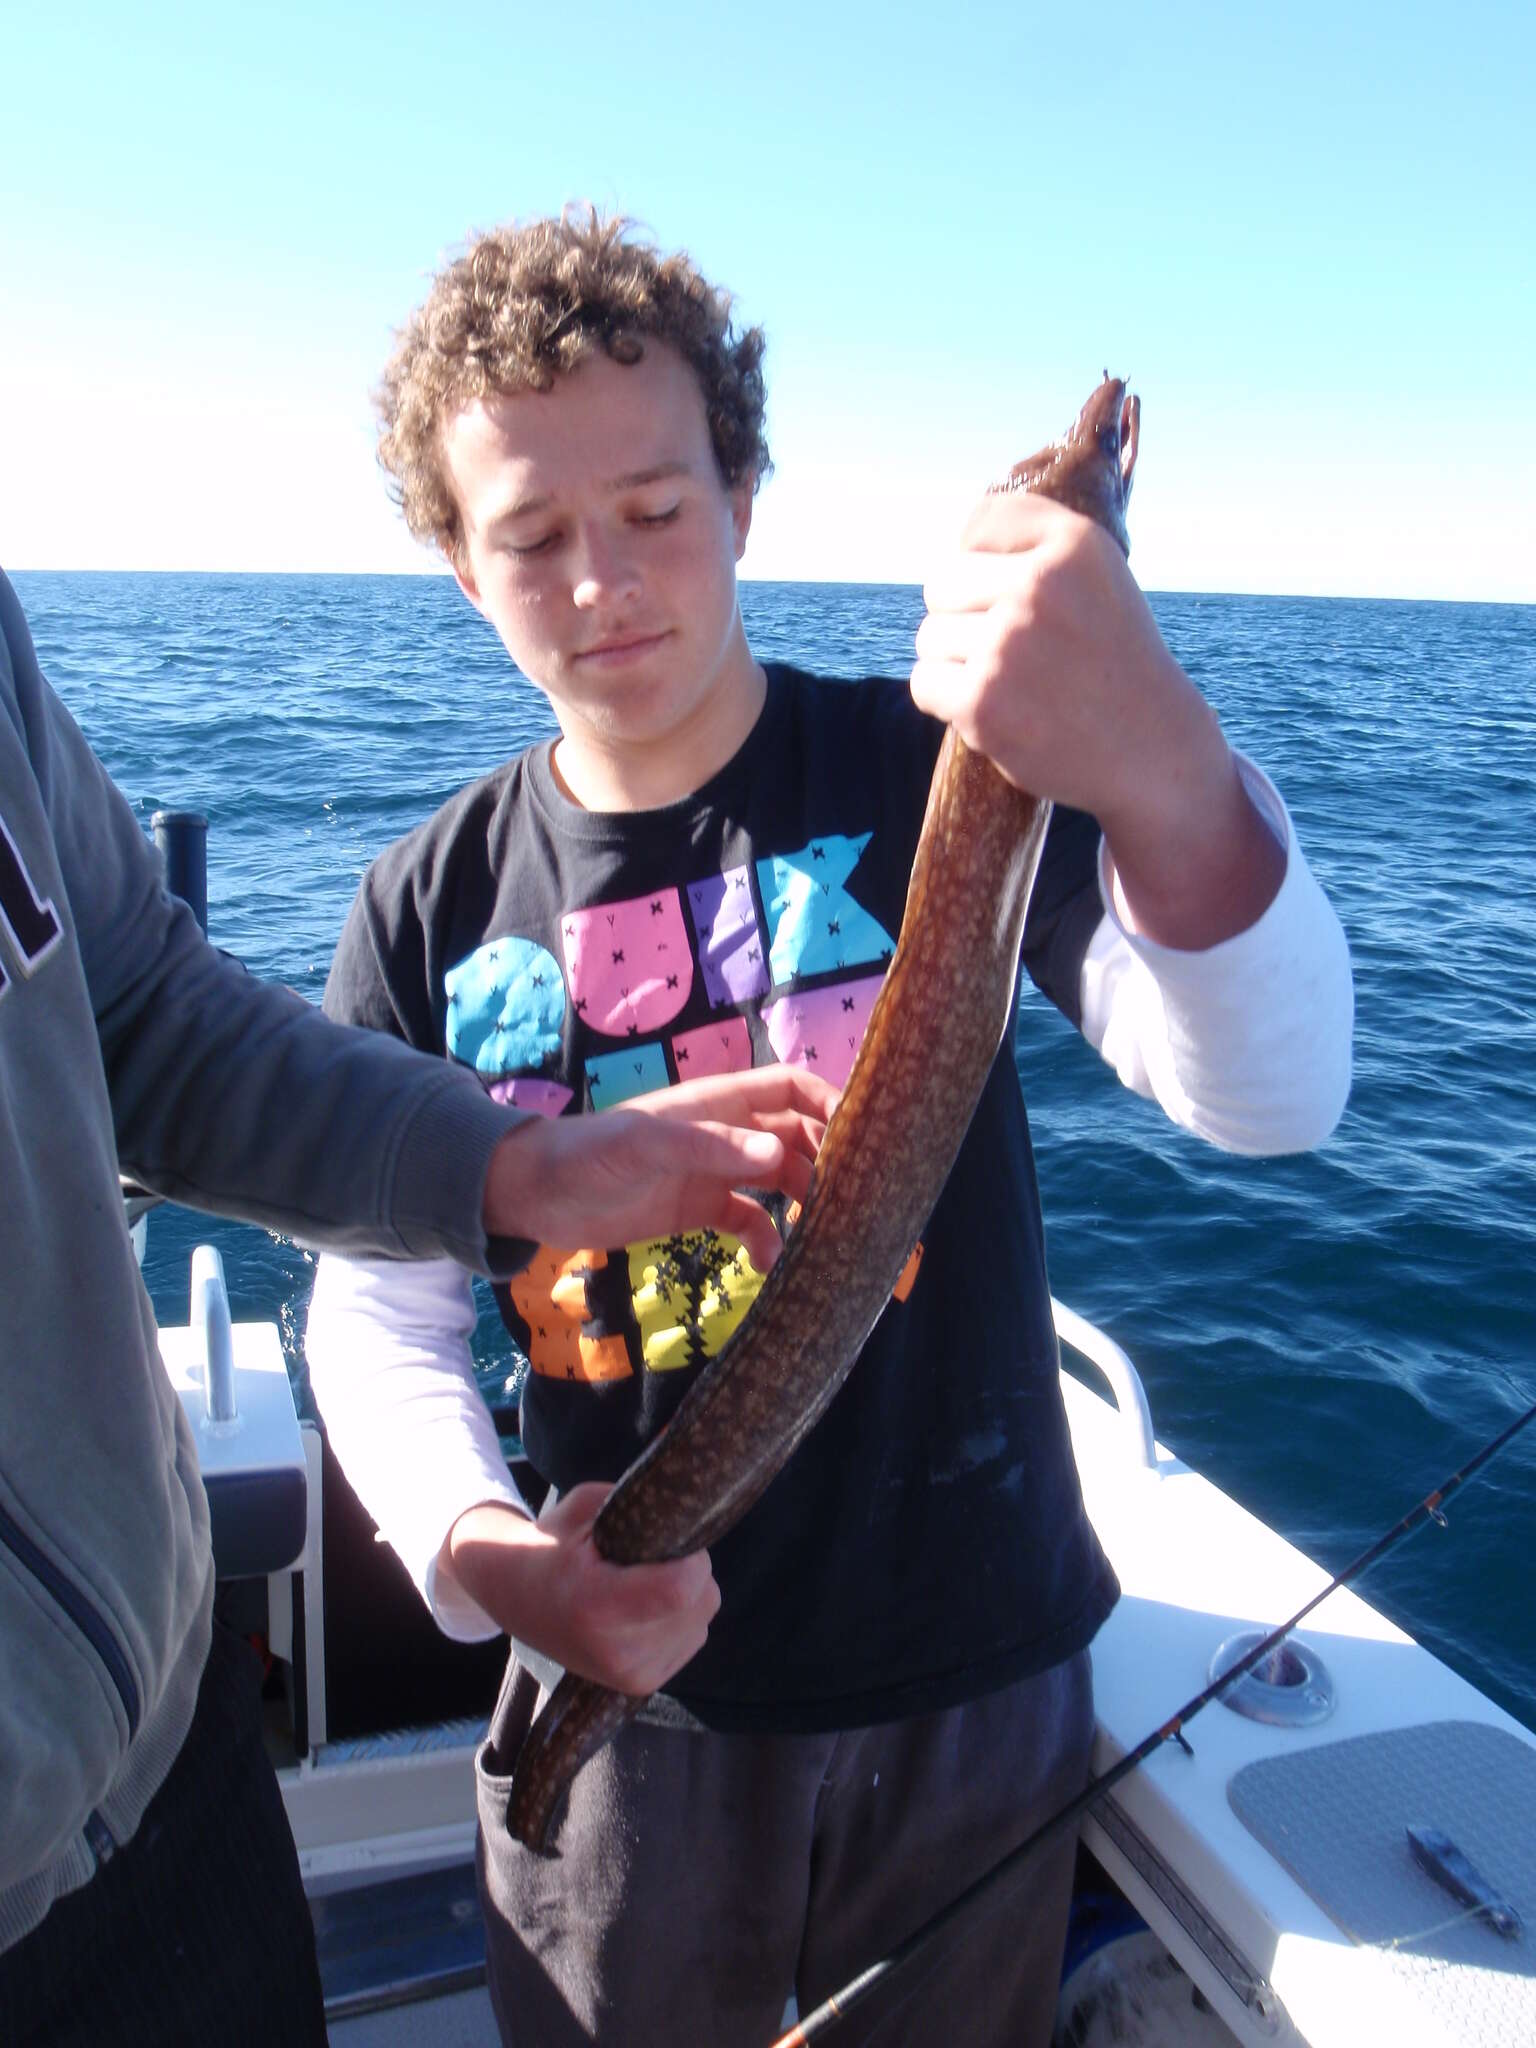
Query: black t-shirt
927, 1543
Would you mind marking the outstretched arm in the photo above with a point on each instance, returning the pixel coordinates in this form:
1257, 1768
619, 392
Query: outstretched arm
1218, 979
1040, 647
670, 1161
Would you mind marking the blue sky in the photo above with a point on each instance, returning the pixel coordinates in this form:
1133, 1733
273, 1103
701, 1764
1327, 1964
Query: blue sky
1306, 233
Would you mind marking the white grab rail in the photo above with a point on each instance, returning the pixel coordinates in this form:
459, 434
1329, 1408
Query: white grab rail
1124, 1380
210, 1317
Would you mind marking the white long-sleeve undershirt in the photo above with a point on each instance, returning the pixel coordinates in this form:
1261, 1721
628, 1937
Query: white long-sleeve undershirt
389, 1362
1246, 1043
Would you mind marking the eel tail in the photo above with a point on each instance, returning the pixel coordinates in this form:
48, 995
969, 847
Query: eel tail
578, 1718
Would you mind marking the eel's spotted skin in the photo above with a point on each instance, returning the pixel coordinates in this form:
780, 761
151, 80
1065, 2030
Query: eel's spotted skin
886, 1155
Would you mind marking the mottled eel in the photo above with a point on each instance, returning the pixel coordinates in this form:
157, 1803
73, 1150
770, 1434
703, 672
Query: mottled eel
884, 1159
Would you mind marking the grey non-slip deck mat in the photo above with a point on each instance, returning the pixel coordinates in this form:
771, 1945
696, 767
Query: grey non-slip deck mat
1336, 1817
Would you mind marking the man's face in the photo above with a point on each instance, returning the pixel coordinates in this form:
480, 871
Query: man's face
601, 544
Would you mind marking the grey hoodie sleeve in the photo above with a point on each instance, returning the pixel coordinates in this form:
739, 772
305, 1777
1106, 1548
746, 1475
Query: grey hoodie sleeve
230, 1094
126, 1040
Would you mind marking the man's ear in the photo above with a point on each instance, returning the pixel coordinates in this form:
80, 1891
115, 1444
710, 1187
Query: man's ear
464, 578
741, 513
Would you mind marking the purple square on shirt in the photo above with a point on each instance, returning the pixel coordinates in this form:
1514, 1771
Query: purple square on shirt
731, 950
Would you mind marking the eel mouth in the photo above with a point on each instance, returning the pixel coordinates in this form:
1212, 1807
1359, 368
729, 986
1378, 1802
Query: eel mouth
1130, 438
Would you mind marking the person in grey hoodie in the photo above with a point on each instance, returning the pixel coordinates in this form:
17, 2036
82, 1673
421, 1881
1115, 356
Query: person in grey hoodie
149, 1889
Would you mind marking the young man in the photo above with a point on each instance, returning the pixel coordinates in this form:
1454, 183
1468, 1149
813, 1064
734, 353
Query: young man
149, 1890
707, 869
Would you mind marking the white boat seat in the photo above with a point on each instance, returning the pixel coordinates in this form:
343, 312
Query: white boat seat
252, 1460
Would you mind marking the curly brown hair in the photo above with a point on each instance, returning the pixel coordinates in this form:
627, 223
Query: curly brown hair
524, 305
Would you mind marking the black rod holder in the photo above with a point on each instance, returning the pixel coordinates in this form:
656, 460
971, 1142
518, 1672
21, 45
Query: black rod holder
182, 838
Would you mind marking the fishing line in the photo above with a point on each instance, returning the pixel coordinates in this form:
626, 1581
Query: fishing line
1401, 1941
842, 2002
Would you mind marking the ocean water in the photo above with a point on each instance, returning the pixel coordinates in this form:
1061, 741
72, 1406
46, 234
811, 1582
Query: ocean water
1326, 1337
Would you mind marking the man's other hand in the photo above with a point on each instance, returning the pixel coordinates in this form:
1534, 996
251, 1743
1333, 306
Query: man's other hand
627, 1626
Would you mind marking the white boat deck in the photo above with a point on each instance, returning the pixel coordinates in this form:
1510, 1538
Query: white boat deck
1195, 1568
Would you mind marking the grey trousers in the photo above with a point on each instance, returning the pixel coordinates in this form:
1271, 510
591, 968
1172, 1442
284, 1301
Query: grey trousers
697, 1880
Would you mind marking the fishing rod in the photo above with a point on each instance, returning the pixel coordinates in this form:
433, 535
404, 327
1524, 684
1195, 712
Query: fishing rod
842, 2002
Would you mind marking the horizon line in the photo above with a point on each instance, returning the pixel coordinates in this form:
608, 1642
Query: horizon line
796, 582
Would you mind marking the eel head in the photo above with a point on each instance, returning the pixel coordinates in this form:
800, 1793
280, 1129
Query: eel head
1090, 468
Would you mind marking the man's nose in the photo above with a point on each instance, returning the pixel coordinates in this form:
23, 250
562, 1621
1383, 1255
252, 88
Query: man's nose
605, 570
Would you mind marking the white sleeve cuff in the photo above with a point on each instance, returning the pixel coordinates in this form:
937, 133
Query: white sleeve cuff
1247, 1043
388, 1349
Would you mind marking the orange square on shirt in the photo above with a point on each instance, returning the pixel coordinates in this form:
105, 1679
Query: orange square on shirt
551, 1297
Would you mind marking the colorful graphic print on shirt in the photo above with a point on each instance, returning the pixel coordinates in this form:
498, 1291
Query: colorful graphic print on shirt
779, 960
